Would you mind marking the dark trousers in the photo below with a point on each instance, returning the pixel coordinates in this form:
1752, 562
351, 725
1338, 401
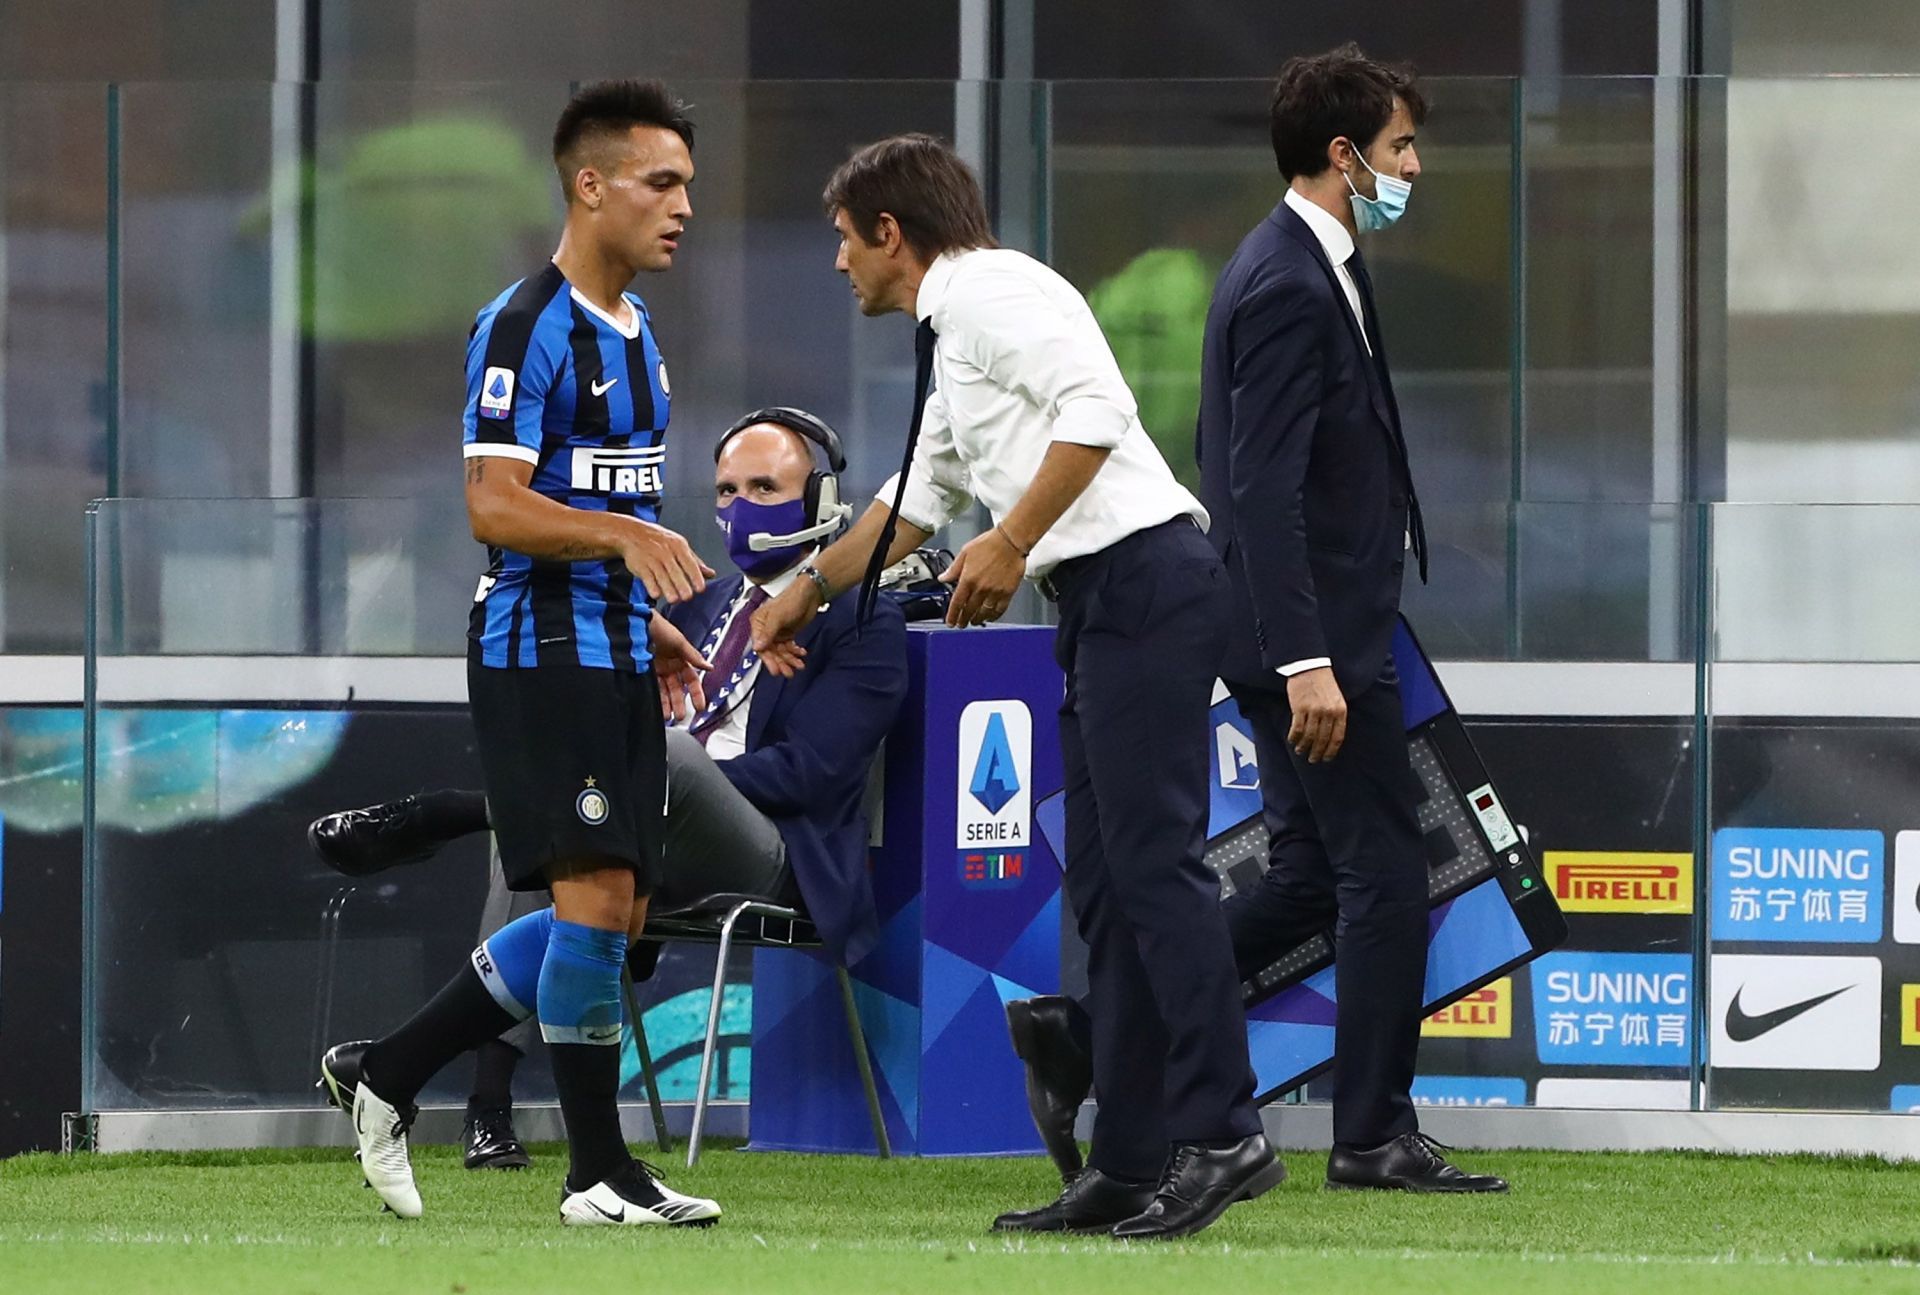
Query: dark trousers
1346, 854
1140, 638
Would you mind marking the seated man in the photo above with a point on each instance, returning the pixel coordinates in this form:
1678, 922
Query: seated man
767, 776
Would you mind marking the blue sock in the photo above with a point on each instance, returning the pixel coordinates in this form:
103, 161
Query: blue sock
580, 1020
510, 959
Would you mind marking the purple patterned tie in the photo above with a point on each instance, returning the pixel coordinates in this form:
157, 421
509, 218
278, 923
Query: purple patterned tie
731, 660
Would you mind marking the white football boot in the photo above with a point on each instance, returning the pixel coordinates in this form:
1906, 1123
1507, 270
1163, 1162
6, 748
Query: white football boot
635, 1197
381, 1129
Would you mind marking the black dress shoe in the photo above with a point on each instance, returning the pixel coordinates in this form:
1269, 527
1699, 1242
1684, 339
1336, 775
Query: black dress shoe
1198, 1186
340, 1072
1410, 1163
1059, 1072
1092, 1202
360, 842
490, 1140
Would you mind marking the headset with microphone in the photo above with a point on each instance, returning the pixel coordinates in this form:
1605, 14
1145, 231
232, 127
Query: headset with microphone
825, 514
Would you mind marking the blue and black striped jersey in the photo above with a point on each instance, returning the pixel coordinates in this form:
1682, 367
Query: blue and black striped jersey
554, 381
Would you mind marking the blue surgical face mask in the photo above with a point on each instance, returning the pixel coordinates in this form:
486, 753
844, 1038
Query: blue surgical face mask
1376, 213
742, 519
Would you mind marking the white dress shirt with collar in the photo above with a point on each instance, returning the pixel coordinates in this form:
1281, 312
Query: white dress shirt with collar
1021, 363
729, 737
1338, 244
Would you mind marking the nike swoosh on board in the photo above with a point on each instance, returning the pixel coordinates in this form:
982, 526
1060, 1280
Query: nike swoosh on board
1744, 1028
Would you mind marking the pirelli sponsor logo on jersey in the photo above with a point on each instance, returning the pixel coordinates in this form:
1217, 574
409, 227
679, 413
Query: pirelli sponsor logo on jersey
1486, 1013
1609, 881
619, 472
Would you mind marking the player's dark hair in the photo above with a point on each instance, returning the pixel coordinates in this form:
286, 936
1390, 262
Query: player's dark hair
922, 184
612, 108
1318, 98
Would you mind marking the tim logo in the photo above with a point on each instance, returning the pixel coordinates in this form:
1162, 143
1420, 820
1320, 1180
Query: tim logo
1599, 881
992, 870
1239, 765
619, 472
995, 795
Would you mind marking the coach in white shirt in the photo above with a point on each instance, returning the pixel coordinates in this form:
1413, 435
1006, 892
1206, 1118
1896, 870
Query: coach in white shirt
1033, 419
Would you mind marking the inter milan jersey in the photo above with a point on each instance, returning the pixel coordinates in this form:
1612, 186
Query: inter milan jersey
552, 380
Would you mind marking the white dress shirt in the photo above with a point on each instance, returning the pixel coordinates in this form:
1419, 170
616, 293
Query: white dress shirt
1021, 363
1338, 244
728, 738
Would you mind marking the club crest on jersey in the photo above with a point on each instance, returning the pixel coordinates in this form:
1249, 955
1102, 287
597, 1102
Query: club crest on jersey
496, 393
619, 472
666, 388
591, 805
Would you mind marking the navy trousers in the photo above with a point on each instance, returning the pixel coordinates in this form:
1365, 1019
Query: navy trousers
1346, 855
1142, 628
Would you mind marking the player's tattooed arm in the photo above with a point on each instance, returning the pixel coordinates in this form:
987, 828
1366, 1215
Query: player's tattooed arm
502, 510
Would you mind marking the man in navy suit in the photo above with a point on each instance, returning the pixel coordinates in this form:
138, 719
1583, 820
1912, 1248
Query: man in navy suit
767, 776
1304, 469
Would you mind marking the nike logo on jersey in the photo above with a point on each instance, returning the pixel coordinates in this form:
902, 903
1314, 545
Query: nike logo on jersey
602, 388
1744, 1028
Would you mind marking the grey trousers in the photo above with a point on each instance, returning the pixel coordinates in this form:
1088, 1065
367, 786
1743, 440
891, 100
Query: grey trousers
716, 842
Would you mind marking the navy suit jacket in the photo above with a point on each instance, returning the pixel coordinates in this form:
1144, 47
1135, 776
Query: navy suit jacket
811, 741
1303, 467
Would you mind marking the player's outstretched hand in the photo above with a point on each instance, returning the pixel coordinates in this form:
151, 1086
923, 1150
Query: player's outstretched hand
776, 624
664, 562
677, 667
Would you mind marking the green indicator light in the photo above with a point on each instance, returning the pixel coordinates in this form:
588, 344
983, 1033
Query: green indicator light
1526, 883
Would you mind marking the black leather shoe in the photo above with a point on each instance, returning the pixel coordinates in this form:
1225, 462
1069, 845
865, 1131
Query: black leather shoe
1092, 1202
1410, 1163
490, 1141
340, 1072
1198, 1186
1059, 1073
360, 842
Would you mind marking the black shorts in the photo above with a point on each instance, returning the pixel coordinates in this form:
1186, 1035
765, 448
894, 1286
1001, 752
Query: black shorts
575, 760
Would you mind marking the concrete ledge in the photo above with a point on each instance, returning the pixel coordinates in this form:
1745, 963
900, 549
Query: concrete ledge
229, 1130
1304, 1127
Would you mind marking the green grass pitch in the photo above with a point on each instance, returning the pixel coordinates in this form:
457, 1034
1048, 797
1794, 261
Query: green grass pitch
299, 1221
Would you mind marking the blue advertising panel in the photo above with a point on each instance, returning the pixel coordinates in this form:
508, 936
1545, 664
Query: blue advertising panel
1798, 885
1469, 1090
1612, 1009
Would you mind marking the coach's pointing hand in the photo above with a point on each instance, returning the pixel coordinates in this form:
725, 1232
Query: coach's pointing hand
664, 562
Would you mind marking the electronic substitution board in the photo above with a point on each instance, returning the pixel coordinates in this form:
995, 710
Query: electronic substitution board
1491, 908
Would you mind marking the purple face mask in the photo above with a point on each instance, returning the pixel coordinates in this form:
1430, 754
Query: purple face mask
742, 519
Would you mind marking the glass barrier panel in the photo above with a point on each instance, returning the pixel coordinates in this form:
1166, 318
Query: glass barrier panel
1814, 851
